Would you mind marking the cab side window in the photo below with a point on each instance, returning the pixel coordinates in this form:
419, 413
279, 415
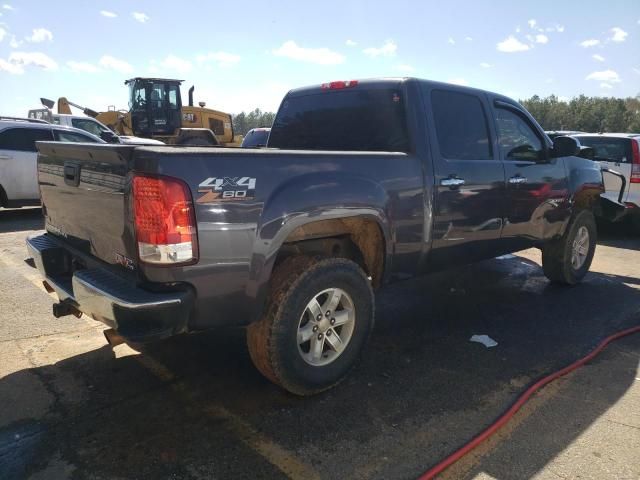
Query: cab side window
23, 139
516, 138
64, 136
461, 126
87, 125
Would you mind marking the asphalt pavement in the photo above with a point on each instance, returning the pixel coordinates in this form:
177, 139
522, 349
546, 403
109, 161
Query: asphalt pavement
193, 407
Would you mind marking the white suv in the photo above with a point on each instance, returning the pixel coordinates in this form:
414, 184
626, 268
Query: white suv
18, 156
620, 152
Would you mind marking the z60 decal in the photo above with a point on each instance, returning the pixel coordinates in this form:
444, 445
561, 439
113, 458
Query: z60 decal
226, 188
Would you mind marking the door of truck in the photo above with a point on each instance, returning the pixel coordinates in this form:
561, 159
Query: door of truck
469, 190
536, 184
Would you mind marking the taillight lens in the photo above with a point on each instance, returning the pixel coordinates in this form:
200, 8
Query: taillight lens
164, 220
635, 162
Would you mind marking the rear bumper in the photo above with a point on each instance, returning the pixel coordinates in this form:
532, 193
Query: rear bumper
138, 315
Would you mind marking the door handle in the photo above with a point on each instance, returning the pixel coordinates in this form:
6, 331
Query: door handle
452, 182
5, 157
517, 180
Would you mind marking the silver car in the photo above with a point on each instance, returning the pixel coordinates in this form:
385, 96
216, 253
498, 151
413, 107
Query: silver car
620, 152
18, 162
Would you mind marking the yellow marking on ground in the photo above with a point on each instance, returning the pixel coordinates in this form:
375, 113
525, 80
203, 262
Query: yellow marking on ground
273, 453
33, 276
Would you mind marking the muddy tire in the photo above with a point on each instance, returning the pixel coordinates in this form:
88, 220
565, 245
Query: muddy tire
318, 317
567, 259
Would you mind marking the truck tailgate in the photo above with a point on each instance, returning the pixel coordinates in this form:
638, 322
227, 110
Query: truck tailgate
84, 190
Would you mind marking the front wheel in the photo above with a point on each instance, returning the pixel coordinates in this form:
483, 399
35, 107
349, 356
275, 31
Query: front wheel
319, 315
567, 259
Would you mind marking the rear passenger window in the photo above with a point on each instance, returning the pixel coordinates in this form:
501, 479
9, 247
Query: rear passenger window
461, 126
23, 139
516, 138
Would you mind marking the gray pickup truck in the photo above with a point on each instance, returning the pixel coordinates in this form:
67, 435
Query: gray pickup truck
363, 183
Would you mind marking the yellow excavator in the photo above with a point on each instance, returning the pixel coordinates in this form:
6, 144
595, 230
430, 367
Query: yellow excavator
156, 111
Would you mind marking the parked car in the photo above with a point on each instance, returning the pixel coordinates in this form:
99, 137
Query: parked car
18, 164
256, 137
561, 133
90, 125
364, 183
620, 152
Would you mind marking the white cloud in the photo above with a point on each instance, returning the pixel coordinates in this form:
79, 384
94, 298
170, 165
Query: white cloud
3, 33
140, 17
451, 41
39, 35
11, 68
512, 44
485, 65
171, 62
606, 85
592, 42
636, 70
619, 35
541, 38
518, 29
559, 28
112, 63
468, 39
223, 59
532, 23
37, 59
609, 76
597, 57
350, 43
15, 43
458, 81
405, 68
321, 56
108, 14
387, 50
6, 6
82, 67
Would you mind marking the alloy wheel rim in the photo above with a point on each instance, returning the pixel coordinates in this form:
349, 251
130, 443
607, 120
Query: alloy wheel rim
580, 248
326, 327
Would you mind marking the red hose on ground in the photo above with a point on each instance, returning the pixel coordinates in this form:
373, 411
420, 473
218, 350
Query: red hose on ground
522, 399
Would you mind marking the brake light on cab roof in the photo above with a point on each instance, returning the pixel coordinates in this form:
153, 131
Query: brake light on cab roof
339, 84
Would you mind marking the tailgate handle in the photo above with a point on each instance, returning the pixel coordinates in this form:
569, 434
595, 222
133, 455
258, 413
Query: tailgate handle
72, 174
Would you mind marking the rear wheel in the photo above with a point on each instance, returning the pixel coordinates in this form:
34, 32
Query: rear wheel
318, 317
567, 259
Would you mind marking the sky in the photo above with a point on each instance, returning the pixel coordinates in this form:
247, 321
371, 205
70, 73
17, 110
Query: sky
246, 55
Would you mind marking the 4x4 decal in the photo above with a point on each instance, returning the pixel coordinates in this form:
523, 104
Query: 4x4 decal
226, 188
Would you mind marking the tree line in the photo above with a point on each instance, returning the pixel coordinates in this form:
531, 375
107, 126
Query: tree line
587, 114
243, 122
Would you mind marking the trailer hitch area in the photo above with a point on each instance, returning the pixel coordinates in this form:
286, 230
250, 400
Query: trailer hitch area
64, 308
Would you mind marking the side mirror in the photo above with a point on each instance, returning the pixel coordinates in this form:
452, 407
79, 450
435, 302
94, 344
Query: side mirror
565, 147
109, 137
47, 103
587, 152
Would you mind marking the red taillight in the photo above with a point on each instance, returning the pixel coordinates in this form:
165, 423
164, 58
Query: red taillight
164, 220
340, 84
635, 162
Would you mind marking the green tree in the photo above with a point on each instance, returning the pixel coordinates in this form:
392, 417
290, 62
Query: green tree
589, 114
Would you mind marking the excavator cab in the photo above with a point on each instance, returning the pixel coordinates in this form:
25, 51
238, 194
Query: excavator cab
155, 105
